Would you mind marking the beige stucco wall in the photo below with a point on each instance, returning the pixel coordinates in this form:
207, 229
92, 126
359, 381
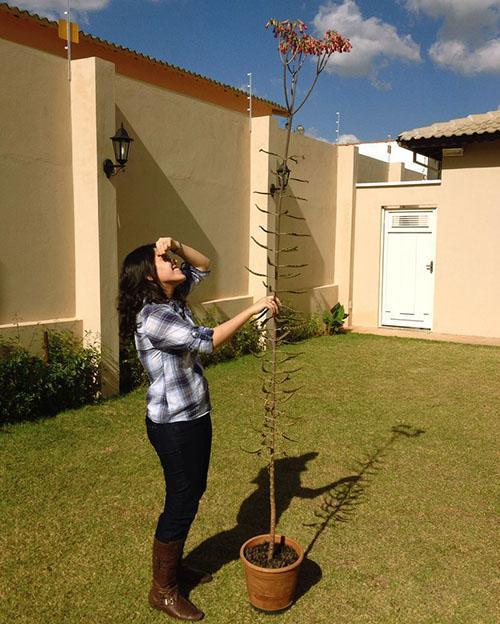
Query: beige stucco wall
374, 170
467, 297
367, 241
317, 163
37, 268
188, 177
347, 173
371, 169
192, 171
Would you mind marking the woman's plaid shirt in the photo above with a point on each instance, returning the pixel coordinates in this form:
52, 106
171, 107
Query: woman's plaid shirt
168, 342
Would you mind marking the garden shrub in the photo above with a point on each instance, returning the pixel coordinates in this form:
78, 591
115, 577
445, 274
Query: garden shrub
31, 387
299, 325
21, 386
334, 319
72, 376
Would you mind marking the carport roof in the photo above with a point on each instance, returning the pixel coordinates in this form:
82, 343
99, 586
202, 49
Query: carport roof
430, 140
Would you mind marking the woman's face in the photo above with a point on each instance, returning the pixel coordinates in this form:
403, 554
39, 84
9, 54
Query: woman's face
168, 270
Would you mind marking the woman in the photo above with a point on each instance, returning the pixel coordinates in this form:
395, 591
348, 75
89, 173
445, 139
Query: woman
153, 309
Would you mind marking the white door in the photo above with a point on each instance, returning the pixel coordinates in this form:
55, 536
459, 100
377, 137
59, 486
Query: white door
408, 268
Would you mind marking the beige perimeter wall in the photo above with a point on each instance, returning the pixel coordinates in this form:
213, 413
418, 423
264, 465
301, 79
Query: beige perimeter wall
467, 297
36, 199
188, 177
317, 164
192, 174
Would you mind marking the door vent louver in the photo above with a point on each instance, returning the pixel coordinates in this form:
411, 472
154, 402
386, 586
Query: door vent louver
410, 221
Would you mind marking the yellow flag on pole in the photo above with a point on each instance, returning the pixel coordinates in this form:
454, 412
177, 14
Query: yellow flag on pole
63, 31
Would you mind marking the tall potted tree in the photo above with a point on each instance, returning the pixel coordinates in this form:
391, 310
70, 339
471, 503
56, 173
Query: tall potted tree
271, 561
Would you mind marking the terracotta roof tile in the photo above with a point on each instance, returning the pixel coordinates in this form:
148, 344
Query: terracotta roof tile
485, 123
181, 69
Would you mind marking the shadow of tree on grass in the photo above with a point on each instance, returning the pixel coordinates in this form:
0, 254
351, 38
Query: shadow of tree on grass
340, 499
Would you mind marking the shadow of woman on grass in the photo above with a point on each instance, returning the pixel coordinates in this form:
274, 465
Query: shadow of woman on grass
220, 549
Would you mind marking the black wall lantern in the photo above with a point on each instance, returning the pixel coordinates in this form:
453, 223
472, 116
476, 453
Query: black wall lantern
283, 175
121, 147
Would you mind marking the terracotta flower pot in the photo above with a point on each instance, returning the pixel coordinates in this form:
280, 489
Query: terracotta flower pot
271, 589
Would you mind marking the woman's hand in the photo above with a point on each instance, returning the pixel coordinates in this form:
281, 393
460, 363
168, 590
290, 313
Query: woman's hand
224, 331
271, 303
165, 244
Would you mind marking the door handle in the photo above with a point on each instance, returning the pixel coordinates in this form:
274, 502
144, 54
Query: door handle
430, 266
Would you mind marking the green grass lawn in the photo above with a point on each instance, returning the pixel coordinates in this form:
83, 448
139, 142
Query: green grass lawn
390, 487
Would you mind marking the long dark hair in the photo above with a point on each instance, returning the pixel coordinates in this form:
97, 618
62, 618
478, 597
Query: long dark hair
136, 289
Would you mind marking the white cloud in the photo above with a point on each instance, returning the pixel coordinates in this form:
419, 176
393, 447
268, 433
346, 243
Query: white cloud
468, 40
61, 5
54, 9
314, 134
459, 57
348, 138
343, 138
374, 43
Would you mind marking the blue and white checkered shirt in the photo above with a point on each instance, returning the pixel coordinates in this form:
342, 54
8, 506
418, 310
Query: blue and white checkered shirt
168, 341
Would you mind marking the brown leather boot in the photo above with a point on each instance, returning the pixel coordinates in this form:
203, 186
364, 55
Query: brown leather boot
164, 594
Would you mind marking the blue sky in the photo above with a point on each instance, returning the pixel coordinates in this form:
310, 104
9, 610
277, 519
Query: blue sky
414, 62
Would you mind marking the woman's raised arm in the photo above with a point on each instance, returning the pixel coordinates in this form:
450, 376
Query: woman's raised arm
190, 255
225, 330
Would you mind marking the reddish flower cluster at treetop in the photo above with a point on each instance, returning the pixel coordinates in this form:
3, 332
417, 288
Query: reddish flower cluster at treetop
294, 38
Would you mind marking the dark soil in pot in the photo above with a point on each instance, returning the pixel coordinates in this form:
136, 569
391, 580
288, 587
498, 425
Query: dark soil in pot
284, 555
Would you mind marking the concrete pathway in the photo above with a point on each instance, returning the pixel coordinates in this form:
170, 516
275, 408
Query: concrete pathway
425, 334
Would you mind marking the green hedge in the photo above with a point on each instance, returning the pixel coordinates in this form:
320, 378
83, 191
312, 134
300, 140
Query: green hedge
30, 387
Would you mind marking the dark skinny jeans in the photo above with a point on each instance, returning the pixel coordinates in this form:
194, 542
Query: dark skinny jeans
184, 452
